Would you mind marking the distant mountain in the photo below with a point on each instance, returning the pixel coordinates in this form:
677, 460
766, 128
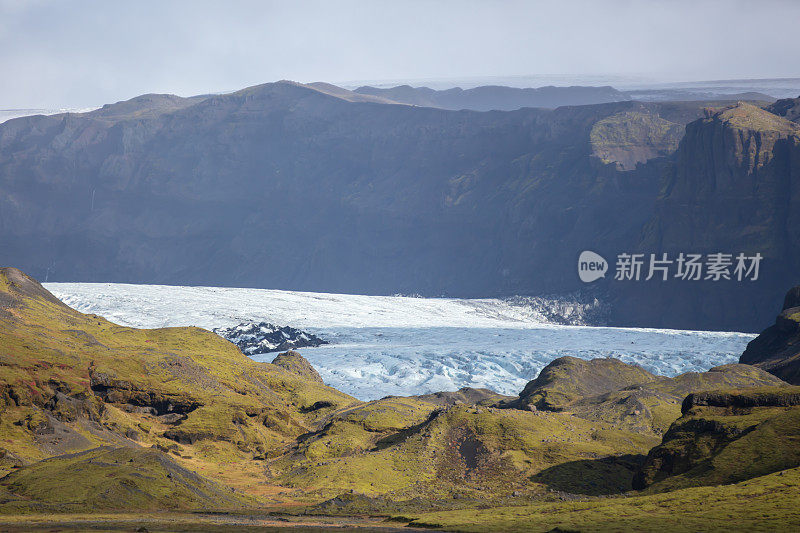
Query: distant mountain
788, 108
694, 94
493, 97
312, 187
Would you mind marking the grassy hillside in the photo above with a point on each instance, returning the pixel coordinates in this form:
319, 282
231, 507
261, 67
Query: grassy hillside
768, 503
725, 437
96, 416
133, 478
71, 382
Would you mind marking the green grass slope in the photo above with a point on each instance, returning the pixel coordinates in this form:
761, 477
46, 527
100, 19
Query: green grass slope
725, 437
768, 503
70, 382
132, 478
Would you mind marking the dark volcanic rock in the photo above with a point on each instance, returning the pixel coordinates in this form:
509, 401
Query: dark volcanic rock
777, 348
252, 338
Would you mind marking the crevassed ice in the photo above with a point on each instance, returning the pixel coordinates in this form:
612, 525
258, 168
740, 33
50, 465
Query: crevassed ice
394, 345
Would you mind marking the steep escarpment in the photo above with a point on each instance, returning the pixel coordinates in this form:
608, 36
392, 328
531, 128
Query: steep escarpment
357, 195
726, 437
777, 348
733, 187
360, 195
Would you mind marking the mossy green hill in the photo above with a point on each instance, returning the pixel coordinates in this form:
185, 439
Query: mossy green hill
70, 382
133, 478
609, 391
98, 416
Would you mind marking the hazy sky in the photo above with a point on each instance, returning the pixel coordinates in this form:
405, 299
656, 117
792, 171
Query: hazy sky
83, 53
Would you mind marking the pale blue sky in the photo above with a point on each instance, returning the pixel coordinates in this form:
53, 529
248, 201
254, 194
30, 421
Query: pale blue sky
88, 52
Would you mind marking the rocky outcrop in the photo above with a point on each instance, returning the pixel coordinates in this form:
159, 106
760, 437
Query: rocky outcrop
777, 348
742, 399
260, 338
789, 108
568, 379
725, 437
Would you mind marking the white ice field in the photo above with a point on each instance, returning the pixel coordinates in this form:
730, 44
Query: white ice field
394, 345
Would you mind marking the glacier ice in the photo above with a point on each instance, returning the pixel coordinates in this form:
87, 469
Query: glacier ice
395, 345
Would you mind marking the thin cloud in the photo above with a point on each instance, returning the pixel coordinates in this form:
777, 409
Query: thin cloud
88, 52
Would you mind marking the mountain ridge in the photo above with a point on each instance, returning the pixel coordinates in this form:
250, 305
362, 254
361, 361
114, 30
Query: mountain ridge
350, 192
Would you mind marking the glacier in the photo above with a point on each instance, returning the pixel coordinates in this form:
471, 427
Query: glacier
398, 345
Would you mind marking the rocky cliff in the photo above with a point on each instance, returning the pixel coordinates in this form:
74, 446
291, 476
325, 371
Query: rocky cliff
311, 187
733, 187
777, 348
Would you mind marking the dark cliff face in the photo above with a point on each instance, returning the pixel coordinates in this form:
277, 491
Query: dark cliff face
316, 188
788, 108
285, 186
777, 348
733, 186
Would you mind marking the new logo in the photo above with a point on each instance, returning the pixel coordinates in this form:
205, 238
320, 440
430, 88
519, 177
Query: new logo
591, 266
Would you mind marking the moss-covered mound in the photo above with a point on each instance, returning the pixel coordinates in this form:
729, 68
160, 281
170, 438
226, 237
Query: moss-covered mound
465, 395
628, 397
726, 437
568, 379
113, 478
296, 364
70, 382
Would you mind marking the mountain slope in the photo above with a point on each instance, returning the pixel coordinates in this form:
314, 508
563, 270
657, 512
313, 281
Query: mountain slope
309, 187
734, 187
71, 382
348, 191
606, 390
777, 348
